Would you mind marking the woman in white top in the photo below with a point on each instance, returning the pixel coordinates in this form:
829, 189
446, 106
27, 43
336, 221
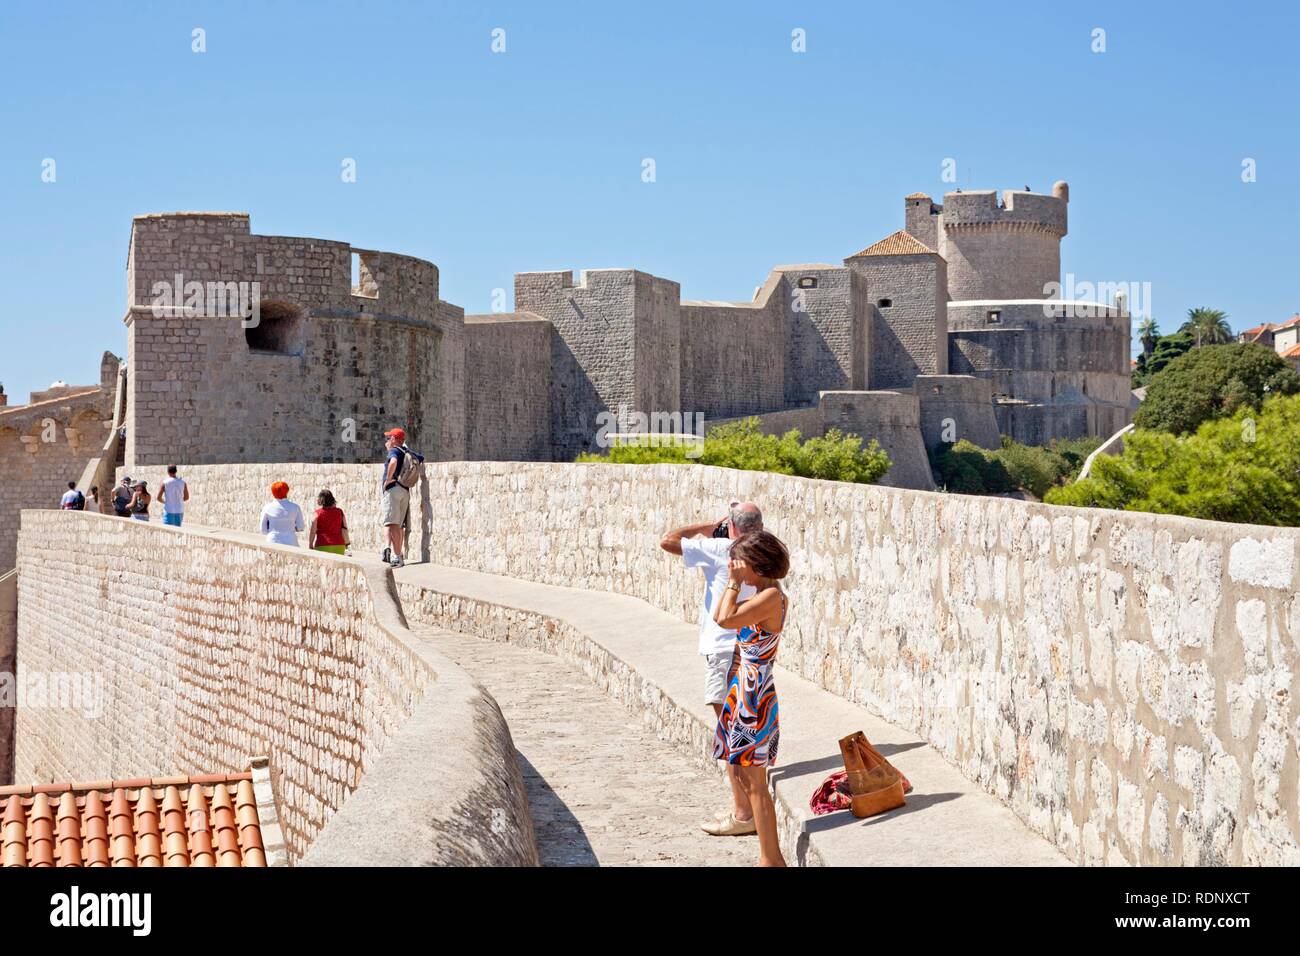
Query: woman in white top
282, 519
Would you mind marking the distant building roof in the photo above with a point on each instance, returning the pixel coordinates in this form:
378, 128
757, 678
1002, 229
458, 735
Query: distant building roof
205, 820
1292, 352
901, 243
917, 196
1294, 320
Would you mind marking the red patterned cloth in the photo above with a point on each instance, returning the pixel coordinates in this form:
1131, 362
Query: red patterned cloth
832, 795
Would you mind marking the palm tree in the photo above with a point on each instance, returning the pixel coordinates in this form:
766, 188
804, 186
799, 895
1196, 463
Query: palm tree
1209, 326
1148, 332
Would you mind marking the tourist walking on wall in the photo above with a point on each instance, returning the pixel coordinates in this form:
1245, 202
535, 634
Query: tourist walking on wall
72, 500
122, 497
140, 501
402, 470
174, 495
281, 518
707, 546
749, 726
92, 501
329, 526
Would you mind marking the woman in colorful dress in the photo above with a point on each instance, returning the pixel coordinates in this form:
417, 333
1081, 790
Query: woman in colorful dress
749, 726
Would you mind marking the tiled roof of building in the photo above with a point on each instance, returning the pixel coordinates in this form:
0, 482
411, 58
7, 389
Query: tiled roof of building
204, 820
1294, 320
1292, 352
1258, 330
901, 243
917, 196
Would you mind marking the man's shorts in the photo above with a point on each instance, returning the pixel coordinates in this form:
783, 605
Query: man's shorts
173, 519
396, 500
717, 675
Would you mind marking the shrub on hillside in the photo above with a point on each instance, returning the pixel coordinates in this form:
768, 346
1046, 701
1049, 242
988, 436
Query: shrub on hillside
969, 469
1244, 469
741, 444
1212, 382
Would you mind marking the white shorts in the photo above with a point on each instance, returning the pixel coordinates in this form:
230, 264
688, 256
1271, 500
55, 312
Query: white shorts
395, 502
717, 675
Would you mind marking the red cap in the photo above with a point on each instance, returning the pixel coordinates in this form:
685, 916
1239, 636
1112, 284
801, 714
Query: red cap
395, 433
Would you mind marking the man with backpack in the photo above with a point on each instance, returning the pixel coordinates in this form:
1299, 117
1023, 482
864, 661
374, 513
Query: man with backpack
73, 500
122, 495
403, 470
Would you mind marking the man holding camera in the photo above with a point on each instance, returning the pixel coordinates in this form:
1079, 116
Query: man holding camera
707, 546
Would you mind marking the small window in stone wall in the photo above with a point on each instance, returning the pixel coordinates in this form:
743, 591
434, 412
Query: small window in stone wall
884, 303
278, 329
808, 282
995, 317
364, 269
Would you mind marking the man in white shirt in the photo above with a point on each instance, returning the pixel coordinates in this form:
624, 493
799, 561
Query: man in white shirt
707, 546
174, 495
72, 500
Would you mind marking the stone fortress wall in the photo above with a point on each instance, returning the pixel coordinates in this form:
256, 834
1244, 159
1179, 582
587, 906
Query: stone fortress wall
1057, 370
212, 649
1127, 683
47, 443
352, 341
349, 342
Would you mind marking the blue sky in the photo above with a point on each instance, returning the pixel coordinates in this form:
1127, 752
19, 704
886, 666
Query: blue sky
489, 164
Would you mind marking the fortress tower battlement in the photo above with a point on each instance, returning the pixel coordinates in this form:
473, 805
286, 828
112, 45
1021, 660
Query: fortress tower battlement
218, 251
996, 245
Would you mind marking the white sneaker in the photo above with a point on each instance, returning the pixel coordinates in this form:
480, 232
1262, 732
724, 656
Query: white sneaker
397, 561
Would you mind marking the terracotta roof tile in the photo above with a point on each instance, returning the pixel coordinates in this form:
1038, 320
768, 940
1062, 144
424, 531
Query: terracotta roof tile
917, 196
139, 821
901, 243
1292, 352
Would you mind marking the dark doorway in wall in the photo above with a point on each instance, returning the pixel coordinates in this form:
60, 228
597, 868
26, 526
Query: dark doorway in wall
278, 327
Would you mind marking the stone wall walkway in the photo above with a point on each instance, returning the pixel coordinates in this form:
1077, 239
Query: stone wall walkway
646, 659
603, 790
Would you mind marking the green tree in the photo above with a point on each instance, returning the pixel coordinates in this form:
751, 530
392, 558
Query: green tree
741, 444
1208, 326
967, 468
1245, 468
1212, 382
1148, 332
1166, 349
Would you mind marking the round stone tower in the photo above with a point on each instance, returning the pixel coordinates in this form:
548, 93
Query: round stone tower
1003, 248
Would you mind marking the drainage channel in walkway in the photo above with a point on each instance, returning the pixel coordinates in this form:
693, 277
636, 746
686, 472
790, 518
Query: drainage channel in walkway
603, 790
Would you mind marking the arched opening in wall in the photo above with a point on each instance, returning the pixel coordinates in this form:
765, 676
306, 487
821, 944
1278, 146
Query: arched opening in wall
278, 328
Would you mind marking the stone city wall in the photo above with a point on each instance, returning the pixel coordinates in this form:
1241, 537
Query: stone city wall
208, 650
326, 360
508, 407
733, 354
8, 648
1126, 682
43, 446
956, 407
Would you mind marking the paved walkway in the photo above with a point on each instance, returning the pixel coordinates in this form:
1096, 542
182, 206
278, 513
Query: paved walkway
603, 790
947, 821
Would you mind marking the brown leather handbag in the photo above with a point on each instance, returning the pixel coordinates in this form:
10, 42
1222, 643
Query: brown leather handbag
875, 785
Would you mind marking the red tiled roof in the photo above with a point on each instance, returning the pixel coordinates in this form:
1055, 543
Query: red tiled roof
204, 820
901, 243
1294, 320
1292, 352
